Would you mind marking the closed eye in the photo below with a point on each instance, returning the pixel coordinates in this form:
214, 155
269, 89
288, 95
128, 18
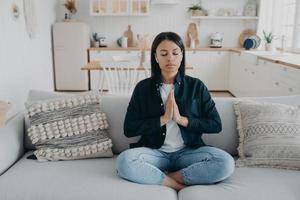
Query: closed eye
174, 53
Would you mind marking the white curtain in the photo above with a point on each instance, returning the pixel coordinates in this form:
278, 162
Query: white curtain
278, 17
296, 39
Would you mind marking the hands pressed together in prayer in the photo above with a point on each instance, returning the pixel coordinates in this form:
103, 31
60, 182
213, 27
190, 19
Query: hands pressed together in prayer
172, 112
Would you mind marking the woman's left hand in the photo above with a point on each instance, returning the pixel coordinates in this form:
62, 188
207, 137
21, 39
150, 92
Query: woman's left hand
183, 121
176, 114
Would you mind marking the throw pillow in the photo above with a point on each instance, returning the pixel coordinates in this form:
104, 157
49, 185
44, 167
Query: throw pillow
68, 128
269, 134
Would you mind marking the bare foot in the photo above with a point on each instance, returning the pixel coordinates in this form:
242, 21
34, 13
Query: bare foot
176, 176
170, 182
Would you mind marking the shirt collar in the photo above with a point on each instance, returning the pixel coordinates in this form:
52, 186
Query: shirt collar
178, 80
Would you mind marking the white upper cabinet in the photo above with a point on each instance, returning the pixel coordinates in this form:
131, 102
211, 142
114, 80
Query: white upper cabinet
119, 7
139, 7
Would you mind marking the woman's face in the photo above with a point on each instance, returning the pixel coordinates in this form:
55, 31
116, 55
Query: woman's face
168, 56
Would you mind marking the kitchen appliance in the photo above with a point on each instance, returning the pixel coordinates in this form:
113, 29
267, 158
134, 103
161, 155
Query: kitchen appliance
70, 43
216, 40
102, 42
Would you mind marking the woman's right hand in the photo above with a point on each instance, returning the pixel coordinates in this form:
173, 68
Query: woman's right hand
169, 110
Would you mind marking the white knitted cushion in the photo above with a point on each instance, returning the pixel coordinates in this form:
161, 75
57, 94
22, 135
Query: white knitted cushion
68, 128
269, 134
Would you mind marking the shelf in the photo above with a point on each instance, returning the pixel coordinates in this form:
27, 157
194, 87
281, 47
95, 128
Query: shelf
119, 7
225, 17
164, 2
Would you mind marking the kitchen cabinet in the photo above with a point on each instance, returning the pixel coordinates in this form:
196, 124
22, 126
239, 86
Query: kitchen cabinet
119, 7
139, 7
199, 61
234, 77
283, 80
217, 75
251, 77
246, 77
209, 66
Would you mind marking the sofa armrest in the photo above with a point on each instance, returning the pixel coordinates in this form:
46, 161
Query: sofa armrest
11, 142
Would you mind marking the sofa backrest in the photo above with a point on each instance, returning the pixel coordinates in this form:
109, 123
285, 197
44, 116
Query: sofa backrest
115, 107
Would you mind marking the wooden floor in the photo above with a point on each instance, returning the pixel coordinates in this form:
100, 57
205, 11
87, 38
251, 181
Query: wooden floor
221, 94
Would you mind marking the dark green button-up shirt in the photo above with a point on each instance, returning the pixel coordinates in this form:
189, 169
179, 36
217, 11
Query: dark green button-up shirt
146, 107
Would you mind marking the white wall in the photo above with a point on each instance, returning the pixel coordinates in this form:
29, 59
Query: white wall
165, 18
25, 63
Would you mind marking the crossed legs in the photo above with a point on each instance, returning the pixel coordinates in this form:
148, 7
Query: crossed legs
204, 165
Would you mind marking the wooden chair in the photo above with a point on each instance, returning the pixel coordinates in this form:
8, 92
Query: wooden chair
122, 80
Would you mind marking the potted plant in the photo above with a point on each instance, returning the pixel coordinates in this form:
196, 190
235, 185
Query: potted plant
96, 40
71, 7
196, 10
268, 39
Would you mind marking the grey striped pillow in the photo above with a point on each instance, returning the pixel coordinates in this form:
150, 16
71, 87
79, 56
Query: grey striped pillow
269, 134
68, 128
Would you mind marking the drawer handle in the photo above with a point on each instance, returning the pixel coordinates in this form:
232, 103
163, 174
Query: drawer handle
277, 83
291, 90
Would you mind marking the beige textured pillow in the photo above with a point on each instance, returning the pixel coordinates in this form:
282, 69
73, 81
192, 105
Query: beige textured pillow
269, 134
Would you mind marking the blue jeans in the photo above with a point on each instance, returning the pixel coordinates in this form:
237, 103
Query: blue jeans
204, 165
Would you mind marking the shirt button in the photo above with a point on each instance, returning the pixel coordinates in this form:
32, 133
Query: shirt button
164, 133
161, 104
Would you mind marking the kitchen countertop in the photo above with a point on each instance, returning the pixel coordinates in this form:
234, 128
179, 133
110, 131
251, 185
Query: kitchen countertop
238, 50
284, 58
288, 59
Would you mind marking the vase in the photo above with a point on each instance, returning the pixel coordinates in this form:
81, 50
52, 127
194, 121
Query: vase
197, 13
95, 44
269, 47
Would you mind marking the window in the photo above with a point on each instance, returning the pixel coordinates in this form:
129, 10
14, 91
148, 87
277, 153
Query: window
282, 18
284, 22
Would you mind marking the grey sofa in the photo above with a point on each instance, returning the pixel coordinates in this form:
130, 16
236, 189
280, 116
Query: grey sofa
24, 179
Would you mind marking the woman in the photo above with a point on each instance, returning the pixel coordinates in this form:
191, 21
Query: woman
171, 111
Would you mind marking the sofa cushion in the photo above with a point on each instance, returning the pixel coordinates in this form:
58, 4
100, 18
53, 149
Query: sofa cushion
269, 134
68, 128
227, 139
114, 106
91, 179
249, 184
37, 95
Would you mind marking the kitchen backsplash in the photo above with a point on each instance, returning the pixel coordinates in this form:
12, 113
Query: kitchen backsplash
167, 18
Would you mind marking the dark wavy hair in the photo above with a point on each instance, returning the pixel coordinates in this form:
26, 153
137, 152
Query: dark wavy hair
171, 36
